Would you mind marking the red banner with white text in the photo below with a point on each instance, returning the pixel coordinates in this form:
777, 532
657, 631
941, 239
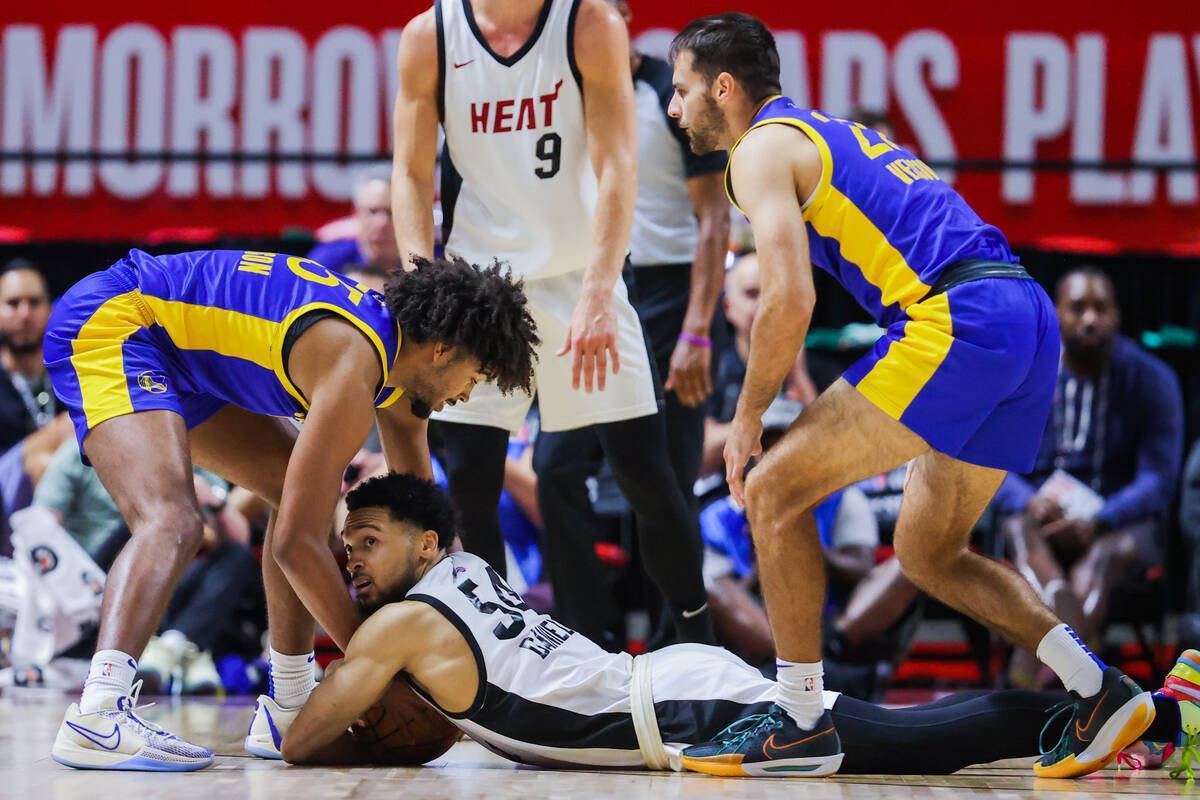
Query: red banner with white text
1071, 119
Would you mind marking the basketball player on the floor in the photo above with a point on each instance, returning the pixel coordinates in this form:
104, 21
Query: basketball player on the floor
169, 361
531, 176
960, 383
537, 692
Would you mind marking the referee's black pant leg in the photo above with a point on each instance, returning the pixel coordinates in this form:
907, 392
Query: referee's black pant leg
668, 530
583, 597
474, 458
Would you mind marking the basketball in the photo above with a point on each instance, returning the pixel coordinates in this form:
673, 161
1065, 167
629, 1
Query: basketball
402, 730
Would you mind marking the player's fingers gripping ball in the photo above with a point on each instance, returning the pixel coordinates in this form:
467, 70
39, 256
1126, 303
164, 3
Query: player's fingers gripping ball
402, 730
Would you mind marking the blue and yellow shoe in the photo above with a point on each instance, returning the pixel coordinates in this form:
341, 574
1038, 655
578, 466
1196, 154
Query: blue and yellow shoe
1100, 727
769, 745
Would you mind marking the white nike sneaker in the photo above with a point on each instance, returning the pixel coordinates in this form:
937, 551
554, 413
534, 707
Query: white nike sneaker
115, 737
270, 723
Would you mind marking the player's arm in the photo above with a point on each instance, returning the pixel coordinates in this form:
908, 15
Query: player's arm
691, 374
337, 369
765, 170
373, 657
405, 439
602, 54
415, 122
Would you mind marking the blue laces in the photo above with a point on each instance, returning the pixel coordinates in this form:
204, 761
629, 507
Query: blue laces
1056, 711
736, 735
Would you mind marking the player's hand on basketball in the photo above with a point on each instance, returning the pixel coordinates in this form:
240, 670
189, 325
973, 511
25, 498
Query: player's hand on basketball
690, 377
743, 444
592, 339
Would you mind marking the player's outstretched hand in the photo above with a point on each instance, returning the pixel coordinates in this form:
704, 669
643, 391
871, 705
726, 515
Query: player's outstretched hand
690, 377
591, 338
744, 443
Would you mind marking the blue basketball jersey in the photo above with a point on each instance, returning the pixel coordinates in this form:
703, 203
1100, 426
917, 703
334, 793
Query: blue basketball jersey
226, 314
880, 220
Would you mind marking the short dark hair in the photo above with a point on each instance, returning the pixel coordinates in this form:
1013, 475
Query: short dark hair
408, 498
479, 309
1088, 271
735, 43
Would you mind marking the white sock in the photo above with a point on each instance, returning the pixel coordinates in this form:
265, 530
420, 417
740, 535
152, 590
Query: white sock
111, 676
1074, 664
801, 691
292, 678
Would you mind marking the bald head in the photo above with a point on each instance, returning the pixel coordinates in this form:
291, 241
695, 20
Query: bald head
1087, 312
741, 293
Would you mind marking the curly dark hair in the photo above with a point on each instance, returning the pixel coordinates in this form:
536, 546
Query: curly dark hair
479, 309
408, 499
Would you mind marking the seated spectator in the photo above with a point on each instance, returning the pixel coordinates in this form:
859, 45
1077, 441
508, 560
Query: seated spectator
31, 424
740, 303
27, 401
1091, 513
373, 244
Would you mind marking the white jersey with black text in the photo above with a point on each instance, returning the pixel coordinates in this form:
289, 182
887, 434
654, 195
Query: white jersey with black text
517, 183
551, 697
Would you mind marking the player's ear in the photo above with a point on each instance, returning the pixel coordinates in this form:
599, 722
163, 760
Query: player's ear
722, 87
427, 543
442, 353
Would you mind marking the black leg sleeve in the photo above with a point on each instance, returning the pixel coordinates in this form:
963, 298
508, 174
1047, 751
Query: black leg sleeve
943, 738
474, 464
668, 534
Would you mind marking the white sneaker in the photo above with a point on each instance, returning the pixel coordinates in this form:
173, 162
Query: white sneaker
115, 737
159, 662
270, 723
200, 674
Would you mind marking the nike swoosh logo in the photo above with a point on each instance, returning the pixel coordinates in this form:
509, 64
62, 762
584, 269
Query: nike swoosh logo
275, 737
1080, 731
310, 659
463, 64
98, 738
769, 746
698, 611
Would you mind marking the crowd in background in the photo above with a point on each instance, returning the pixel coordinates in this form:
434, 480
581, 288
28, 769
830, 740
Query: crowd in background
1091, 527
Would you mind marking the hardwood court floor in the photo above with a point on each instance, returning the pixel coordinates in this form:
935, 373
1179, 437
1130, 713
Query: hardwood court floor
29, 719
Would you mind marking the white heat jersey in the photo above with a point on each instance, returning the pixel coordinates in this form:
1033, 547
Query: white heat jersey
517, 183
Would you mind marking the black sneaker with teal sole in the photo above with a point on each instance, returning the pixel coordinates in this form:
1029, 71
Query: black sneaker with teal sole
769, 745
1099, 727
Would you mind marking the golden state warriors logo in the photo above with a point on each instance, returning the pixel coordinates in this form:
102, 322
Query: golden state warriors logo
153, 382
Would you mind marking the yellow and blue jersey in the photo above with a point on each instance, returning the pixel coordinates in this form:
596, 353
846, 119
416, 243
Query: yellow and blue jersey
195, 331
880, 220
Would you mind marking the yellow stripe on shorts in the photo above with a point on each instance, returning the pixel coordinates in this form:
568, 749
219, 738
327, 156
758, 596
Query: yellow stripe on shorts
896, 379
99, 360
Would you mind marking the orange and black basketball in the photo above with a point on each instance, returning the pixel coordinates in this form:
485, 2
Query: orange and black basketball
402, 730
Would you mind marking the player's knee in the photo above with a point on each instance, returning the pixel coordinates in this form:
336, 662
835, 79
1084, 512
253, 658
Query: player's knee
922, 565
178, 522
761, 487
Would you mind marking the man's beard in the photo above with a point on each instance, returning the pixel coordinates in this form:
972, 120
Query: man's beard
393, 595
23, 347
706, 130
421, 396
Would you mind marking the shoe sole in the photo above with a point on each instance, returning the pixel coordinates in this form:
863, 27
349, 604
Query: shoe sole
82, 758
813, 767
256, 746
1123, 728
